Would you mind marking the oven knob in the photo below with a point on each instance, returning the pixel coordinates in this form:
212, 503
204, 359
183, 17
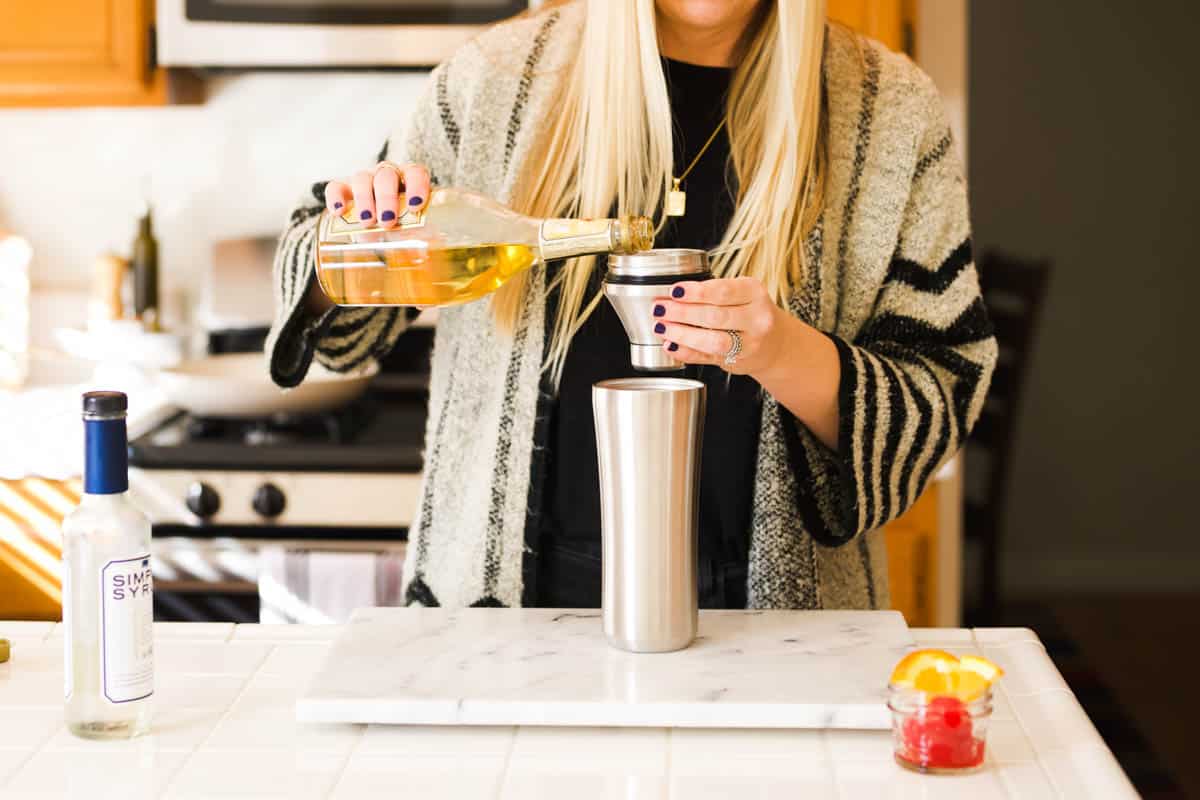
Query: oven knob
203, 500
269, 500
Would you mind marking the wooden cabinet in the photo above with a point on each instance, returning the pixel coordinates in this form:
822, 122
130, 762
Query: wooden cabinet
83, 53
889, 21
31, 515
923, 544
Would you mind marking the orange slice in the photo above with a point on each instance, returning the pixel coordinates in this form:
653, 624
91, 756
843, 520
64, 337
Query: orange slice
937, 672
926, 671
975, 675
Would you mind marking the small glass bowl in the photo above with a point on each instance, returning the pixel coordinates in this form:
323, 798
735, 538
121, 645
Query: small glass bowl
938, 734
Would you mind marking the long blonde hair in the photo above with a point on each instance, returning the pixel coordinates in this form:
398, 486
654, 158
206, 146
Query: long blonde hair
613, 142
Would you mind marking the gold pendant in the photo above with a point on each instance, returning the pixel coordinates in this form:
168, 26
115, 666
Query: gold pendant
676, 200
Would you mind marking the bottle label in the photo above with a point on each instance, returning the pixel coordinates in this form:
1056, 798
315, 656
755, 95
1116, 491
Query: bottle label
127, 630
68, 634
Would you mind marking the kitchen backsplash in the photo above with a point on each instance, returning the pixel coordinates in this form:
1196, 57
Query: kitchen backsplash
71, 179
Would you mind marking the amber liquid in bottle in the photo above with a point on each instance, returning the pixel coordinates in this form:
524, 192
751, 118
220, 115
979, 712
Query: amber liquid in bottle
422, 277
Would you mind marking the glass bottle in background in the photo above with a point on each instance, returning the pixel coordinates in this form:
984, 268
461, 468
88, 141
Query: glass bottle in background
108, 609
144, 263
463, 246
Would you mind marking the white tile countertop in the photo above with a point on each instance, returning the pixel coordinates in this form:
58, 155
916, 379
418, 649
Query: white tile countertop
224, 727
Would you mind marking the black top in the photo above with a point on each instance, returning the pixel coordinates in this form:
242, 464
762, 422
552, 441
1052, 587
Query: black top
569, 548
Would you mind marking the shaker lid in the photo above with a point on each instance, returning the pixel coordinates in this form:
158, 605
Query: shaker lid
672, 262
104, 405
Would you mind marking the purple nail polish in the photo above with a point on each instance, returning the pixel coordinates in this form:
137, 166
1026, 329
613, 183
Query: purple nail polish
337, 206
660, 311
672, 347
365, 215
677, 291
388, 215
660, 328
416, 200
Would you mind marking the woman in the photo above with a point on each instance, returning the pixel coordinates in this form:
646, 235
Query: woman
824, 181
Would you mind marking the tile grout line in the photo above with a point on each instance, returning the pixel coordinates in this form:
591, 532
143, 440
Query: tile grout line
512, 745
670, 747
224, 714
827, 750
34, 752
341, 773
1025, 732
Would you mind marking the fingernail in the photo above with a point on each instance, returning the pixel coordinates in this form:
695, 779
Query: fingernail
388, 215
672, 347
416, 200
677, 291
365, 215
337, 205
660, 328
659, 311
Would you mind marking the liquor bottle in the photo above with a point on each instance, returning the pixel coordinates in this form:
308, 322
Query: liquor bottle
461, 247
145, 274
108, 609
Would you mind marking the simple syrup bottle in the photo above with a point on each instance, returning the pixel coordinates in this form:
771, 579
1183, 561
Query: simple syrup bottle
108, 611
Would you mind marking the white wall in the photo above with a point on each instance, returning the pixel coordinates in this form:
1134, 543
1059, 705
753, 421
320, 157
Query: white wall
1083, 151
70, 178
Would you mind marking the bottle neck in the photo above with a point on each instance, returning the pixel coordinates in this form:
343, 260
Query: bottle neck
567, 238
105, 457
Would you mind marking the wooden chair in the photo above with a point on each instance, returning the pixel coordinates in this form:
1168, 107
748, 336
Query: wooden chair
1013, 291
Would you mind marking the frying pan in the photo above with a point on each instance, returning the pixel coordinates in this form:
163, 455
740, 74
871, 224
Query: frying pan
237, 385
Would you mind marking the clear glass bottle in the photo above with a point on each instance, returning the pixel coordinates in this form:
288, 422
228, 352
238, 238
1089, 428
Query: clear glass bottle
461, 247
108, 609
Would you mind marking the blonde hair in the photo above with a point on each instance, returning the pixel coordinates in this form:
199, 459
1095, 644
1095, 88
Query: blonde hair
613, 142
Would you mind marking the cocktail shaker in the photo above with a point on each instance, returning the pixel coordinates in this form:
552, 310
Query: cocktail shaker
633, 282
648, 436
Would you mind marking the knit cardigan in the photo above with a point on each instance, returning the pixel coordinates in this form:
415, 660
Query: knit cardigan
891, 281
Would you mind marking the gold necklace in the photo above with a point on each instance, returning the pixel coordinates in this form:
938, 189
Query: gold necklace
677, 198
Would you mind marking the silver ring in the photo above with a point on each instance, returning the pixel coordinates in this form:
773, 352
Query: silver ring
735, 347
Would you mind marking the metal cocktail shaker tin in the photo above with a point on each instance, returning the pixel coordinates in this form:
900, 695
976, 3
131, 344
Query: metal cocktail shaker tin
633, 282
648, 438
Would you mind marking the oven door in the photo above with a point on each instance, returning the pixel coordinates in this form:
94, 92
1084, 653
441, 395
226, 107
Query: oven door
321, 33
230, 576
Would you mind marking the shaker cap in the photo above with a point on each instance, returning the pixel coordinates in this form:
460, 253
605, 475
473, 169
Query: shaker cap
104, 405
674, 263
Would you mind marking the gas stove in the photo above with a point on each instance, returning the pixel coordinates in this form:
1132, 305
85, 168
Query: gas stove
354, 468
282, 518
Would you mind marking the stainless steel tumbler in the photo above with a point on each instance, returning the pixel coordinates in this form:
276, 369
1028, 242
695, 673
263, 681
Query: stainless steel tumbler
648, 435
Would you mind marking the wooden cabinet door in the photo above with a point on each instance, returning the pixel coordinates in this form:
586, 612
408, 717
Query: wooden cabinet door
77, 52
889, 21
912, 539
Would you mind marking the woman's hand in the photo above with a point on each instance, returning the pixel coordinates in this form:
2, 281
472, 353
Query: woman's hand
694, 324
378, 196
382, 194
793, 361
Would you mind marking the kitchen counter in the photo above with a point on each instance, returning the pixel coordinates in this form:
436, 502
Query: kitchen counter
225, 727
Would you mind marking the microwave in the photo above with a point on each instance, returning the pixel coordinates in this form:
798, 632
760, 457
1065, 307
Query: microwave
329, 34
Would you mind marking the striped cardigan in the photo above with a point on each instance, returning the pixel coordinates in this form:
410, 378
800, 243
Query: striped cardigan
891, 281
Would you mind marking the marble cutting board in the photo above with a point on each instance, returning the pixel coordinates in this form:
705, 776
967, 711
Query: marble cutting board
490, 666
